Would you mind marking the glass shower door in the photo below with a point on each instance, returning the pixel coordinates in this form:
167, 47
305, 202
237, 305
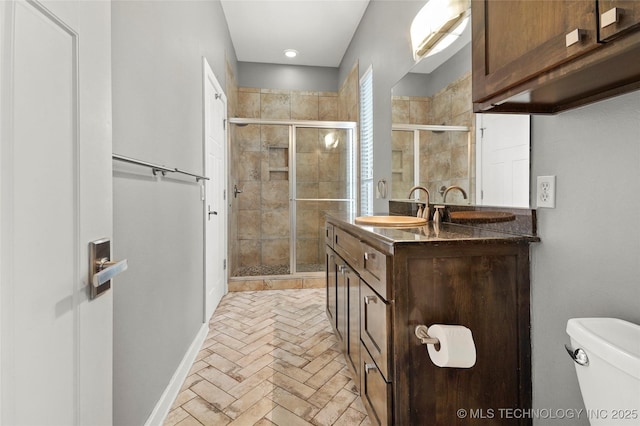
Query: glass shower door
324, 180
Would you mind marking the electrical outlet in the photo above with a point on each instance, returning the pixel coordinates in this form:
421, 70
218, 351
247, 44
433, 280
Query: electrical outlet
546, 192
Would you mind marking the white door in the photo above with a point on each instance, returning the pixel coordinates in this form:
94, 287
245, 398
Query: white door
55, 197
503, 160
215, 107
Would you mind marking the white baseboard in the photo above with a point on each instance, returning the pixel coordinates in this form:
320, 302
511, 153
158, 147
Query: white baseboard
161, 410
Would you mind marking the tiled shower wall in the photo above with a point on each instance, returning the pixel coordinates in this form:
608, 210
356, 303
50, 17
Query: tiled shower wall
264, 175
259, 166
443, 156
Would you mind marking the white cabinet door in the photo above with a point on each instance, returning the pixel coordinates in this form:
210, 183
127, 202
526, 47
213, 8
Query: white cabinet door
55, 197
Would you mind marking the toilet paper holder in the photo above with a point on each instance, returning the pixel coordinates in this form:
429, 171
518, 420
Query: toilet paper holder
422, 333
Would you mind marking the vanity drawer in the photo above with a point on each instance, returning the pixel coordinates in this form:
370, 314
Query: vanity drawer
347, 246
374, 270
328, 234
375, 327
375, 391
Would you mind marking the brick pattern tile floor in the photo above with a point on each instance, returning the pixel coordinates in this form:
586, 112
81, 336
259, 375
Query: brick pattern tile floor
270, 358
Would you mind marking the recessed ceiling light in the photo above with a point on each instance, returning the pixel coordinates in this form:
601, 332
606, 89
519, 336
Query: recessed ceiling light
290, 53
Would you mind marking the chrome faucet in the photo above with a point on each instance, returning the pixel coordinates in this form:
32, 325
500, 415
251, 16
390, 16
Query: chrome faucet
446, 191
425, 213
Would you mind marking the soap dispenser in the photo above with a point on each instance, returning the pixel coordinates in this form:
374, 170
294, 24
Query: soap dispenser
437, 215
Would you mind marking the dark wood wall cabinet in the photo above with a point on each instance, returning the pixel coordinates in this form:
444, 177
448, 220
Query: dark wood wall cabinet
541, 56
382, 283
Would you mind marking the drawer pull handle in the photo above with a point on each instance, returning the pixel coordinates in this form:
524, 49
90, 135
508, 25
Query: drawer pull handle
610, 17
369, 368
573, 37
370, 299
422, 333
369, 256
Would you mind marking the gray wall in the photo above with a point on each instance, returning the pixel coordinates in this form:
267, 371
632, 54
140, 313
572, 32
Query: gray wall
587, 262
287, 77
414, 84
382, 42
585, 265
158, 223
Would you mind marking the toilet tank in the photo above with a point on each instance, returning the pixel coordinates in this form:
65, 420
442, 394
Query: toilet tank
610, 381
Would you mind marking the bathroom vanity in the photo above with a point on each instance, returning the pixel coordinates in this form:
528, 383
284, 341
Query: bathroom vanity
382, 282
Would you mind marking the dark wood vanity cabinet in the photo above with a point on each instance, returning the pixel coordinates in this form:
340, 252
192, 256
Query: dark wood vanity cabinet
481, 284
548, 56
485, 288
343, 305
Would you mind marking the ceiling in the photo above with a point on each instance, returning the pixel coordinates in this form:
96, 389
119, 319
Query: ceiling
320, 30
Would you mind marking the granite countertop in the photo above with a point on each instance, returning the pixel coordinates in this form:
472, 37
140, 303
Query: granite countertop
442, 233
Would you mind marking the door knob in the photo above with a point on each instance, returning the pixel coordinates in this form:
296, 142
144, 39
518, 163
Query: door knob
101, 268
107, 270
211, 212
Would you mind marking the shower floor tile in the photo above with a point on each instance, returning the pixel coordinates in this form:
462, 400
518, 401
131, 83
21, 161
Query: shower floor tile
270, 358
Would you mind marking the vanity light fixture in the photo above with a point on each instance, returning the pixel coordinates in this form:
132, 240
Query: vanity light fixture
290, 53
438, 24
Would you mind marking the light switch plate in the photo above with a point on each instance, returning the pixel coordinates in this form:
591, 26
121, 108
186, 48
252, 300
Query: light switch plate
546, 192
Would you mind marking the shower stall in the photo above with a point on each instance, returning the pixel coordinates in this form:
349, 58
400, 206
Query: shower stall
285, 176
433, 156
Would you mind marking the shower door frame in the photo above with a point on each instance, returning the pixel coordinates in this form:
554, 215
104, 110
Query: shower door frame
351, 127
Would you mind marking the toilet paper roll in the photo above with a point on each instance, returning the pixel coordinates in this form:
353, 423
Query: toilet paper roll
457, 348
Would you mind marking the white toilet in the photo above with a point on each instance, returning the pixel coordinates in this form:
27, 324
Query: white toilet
606, 352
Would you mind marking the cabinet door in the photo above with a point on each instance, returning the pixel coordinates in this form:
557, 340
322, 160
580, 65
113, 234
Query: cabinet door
332, 288
353, 325
515, 40
617, 17
376, 393
375, 328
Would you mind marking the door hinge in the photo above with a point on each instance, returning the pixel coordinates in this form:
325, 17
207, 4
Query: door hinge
224, 124
482, 194
224, 194
224, 264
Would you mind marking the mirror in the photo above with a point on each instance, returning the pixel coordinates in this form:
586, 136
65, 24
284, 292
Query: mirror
438, 142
